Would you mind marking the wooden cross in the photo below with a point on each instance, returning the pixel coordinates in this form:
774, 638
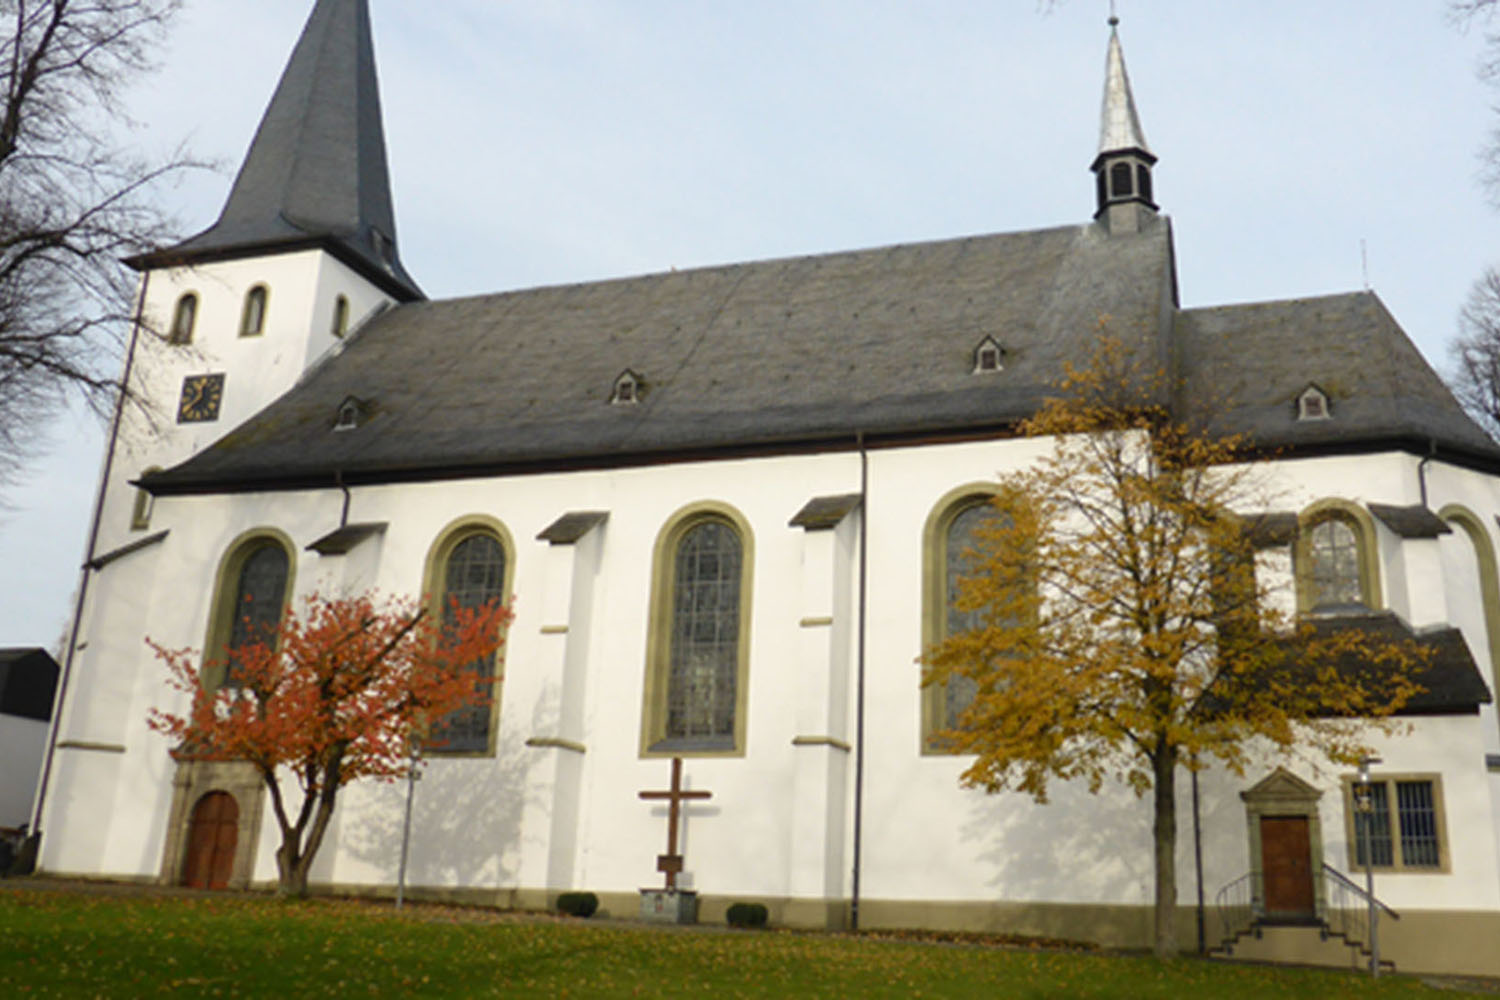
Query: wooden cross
671, 863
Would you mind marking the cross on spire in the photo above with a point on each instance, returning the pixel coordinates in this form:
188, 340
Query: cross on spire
670, 864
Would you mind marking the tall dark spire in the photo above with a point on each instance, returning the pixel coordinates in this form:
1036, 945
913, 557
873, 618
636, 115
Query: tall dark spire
316, 173
1123, 167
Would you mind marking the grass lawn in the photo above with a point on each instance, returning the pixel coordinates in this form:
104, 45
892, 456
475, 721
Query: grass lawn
71, 945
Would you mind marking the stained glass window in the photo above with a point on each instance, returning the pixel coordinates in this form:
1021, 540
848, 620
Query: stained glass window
259, 598
1335, 564
473, 575
705, 634
959, 544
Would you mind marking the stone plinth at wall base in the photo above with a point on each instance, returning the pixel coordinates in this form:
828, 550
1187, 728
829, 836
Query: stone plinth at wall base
669, 906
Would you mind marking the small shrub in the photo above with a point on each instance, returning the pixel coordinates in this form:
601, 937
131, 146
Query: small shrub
747, 915
578, 904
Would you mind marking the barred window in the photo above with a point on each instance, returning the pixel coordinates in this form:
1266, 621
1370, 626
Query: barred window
1409, 839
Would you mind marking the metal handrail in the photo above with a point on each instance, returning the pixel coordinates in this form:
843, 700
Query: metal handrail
1354, 887
1342, 911
1235, 902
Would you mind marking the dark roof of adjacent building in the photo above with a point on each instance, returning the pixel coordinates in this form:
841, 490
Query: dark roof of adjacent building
28, 683
316, 172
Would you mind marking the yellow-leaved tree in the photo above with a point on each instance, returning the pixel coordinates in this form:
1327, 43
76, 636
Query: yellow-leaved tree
1118, 627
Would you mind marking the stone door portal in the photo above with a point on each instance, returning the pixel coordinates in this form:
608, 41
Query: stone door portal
211, 841
1286, 866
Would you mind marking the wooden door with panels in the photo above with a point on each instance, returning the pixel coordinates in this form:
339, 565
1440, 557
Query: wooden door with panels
212, 838
1286, 868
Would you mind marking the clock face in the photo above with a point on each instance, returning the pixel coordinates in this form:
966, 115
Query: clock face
201, 396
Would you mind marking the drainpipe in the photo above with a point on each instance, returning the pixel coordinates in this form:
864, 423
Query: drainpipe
1198, 857
338, 479
1422, 468
859, 697
84, 576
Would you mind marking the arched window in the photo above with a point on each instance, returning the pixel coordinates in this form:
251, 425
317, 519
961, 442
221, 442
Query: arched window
1334, 552
253, 586
253, 319
958, 562
469, 571
1336, 558
1120, 181
183, 319
696, 674
340, 316
950, 543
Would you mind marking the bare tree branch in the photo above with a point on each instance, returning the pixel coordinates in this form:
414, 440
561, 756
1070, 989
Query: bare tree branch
72, 202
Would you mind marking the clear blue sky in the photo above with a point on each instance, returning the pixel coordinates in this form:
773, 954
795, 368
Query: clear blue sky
545, 141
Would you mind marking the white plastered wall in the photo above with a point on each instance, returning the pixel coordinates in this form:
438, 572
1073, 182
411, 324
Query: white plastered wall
486, 822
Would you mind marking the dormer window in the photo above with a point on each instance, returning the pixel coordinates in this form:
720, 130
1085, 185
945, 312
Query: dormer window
253, 318
1313, 404
352, 413
628, 388
988, 356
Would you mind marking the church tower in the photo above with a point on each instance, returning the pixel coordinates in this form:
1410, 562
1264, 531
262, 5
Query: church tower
1122, 170
302, 254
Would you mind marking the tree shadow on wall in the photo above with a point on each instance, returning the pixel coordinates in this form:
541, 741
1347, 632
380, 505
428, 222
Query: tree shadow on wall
1076, 848
465, 822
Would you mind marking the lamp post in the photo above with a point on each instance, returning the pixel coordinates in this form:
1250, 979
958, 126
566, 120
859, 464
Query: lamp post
412, 777
1364, 809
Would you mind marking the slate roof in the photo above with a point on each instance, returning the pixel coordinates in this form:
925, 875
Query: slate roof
1244, 366
316, 172
1449, 679
800, 352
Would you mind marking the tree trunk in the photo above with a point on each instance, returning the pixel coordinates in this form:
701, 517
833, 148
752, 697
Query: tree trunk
1164, 831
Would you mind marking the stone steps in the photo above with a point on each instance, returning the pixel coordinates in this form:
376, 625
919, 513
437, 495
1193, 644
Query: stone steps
1297, 946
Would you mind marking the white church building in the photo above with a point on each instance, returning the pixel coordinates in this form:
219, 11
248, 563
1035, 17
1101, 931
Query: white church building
726, 503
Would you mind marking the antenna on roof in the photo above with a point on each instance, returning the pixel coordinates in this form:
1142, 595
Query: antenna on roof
1364, 263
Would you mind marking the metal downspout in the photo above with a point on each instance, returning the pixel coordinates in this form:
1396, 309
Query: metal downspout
859, 697
1422, 468
83, 580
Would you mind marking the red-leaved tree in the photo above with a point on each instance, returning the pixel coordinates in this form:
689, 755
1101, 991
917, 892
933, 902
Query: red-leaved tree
343, 690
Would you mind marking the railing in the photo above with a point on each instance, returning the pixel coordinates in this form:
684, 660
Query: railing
1343, 908
1236, 904
1346, 908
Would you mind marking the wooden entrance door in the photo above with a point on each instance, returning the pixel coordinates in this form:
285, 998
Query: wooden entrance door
1286, 867
211, 841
